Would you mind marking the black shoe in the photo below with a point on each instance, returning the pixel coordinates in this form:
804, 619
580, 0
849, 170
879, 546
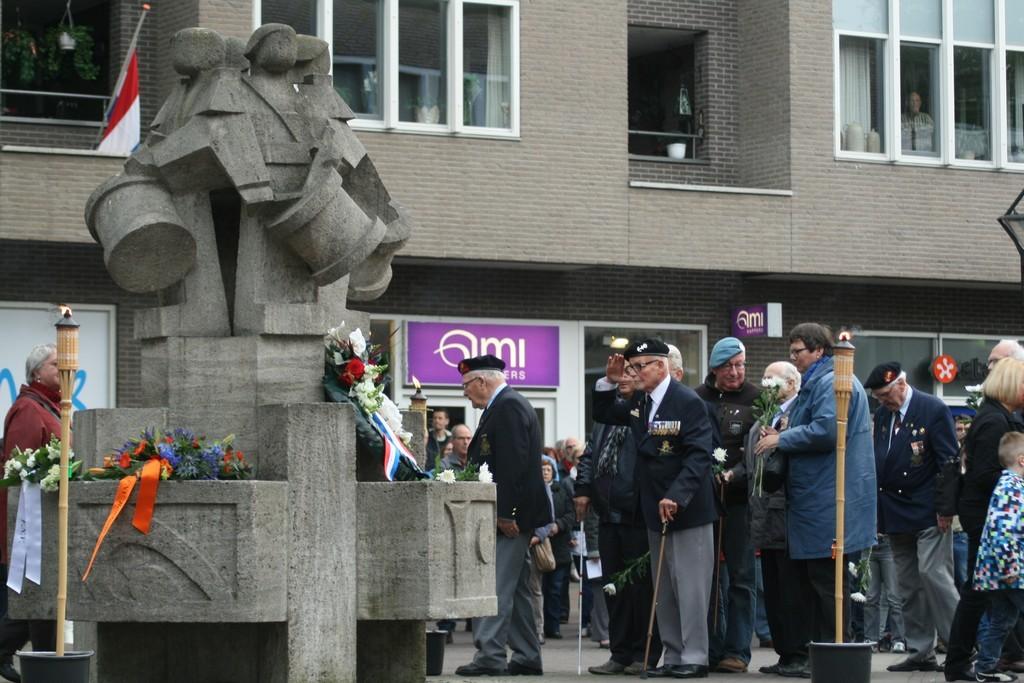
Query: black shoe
795, 669
770, 669
476, 670
517, 669
659, 672
689, 671
959, 675
912, 665
553, 636
7, 671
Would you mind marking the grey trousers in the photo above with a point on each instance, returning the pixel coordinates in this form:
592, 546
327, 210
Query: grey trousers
513, 625
924, 571
685, 592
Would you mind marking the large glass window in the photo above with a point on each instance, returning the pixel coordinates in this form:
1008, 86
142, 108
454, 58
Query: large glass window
662, 104
358, 46
919, 90
601, 341
395, 61
422, 61
914, 354
1015, 106
971, 102
861, 97
486, 66
971, 356
56, 65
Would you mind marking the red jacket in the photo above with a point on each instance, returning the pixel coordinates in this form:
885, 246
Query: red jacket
32, 420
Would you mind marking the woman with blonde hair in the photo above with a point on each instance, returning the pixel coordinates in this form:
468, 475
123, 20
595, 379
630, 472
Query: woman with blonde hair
1003, 390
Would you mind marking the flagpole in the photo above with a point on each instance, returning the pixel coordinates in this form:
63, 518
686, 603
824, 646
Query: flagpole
124, 71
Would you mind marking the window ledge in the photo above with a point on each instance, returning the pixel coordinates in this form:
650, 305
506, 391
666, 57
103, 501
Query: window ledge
435, 132
723, 189
52, 122
66, 151
667, 160
959, 164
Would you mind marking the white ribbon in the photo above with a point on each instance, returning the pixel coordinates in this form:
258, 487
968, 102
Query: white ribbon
27, 549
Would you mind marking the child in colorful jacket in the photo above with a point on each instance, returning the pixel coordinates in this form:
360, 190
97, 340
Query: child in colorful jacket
1000, 558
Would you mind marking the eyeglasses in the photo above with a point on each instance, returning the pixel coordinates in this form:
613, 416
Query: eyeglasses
468, 382
734, 367
635, 368
793, 353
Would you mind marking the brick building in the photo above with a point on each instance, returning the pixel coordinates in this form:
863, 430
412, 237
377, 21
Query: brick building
537, 145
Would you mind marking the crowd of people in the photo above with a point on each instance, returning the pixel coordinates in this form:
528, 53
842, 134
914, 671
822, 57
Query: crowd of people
735, 509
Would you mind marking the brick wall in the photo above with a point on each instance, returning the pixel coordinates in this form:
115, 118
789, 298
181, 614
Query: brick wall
228, 17
42, 196
716, 86
171, 18
61, 272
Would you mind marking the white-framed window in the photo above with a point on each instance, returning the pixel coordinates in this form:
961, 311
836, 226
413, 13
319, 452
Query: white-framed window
936, 82
428, 66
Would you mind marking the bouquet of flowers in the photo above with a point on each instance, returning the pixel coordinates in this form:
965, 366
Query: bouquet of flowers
766, 406
635, 569
470, 473
38, 466
974, 396
182, 454
355, 373
862, 573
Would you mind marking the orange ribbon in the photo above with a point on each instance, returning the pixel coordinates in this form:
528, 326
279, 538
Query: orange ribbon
124, 490
146, 500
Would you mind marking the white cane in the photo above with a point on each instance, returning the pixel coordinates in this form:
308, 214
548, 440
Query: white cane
579, 632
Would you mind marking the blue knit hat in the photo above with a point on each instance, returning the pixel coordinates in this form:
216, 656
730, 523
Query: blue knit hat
724, 349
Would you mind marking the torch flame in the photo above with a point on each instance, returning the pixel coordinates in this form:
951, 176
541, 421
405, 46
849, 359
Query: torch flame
845, 335
65, 311
415, 382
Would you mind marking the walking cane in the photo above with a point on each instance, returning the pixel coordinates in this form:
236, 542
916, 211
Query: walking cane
654, 600
579, 631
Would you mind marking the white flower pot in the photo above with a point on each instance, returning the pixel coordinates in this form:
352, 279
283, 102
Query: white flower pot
677, 150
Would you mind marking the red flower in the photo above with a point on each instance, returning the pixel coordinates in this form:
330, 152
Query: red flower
140, 448
125, 461
354, 370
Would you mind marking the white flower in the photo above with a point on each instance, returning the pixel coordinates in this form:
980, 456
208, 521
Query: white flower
609, 588
358, 342
51, 482
31, 462
485, 474
719, 454
852, 567
338, 360
858, 597
9, 468
768, 382
974, 388
24, 474
448, 476
17, 465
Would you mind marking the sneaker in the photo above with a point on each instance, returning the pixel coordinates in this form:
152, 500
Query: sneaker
997, 676
899, 647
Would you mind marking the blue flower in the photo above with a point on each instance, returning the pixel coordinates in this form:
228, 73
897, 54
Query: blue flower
166, 450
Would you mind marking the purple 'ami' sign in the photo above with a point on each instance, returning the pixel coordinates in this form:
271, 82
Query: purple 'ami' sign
750, 321
433, 351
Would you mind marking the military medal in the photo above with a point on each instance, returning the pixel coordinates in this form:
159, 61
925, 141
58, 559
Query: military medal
485, 446
666, 448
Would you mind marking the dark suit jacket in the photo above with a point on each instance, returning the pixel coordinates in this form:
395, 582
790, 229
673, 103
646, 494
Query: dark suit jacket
508, 440
674, 466
907, 481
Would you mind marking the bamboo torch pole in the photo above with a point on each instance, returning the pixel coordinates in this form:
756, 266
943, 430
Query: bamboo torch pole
67, 365
843, 384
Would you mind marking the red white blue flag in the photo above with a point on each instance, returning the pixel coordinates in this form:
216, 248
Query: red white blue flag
394, 447
123, 132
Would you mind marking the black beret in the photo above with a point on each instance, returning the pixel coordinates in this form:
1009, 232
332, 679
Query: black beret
646, 347
883, 375
487, 362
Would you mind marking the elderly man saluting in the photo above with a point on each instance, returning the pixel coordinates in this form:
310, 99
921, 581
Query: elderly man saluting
670, 425
915, 445
507, 439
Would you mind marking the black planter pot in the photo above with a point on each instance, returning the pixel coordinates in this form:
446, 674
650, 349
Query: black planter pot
435, 652
47, 667
840, 662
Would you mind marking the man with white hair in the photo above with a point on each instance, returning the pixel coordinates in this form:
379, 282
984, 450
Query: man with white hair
508, 440
1006, 348
915, 444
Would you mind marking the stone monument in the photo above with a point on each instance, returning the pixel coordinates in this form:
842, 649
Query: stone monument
255, 215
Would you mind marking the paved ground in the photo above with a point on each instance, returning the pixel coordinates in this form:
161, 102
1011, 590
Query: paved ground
560, 664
